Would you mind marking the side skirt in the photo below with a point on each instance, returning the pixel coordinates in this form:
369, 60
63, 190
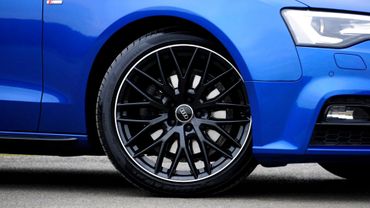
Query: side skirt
45, 144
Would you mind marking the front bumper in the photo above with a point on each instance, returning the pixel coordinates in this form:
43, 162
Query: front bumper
285, 113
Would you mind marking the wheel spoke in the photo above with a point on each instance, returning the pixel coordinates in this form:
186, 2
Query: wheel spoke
152, 101
225, 106
212, 144
175, 163
158, 119
184, 144
133, 139
226, 92
164, 80
203, 149
213, 101
191, 163
178, 68
165, 88
190, 63
223, 121
218, 78
202, 88
205, 86
239, 121
224, 134
164, 138
130, 120
154, 144
183, 85
151, 124
148, 77
203, 78
134, 104
161, 155
232, 105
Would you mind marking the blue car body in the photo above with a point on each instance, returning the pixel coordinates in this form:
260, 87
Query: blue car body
49, 52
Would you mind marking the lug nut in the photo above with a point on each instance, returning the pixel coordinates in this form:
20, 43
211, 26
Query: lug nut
188, 128
199, 114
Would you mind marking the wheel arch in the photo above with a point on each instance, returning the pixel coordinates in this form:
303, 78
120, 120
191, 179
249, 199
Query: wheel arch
112, 44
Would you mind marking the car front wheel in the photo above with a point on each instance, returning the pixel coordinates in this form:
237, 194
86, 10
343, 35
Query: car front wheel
174, 117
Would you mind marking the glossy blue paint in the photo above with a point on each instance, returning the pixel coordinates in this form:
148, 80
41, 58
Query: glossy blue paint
291, 118
345, 5
287, 85
71, 45
349, 61
20, 64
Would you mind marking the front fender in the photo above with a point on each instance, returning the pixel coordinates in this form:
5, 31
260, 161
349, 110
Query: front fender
252, 31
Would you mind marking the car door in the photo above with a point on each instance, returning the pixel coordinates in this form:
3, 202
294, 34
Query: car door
20, 64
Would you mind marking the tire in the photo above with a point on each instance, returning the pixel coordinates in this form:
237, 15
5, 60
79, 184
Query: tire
353, 171
157, 132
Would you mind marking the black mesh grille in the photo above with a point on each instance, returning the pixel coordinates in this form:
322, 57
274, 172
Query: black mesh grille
341, 134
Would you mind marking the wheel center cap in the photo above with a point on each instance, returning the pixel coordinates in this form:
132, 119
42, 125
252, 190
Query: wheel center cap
184, 113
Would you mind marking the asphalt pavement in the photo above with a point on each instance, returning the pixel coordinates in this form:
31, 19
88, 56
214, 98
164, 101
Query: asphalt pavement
41, 181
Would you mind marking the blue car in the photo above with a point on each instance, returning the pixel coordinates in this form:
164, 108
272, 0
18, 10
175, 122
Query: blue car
187, 97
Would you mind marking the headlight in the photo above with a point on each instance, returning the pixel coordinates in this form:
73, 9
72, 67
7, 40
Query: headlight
326, 29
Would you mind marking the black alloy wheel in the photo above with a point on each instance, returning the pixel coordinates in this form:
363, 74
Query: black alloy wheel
174, 112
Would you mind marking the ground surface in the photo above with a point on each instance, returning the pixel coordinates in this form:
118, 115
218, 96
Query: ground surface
34, 181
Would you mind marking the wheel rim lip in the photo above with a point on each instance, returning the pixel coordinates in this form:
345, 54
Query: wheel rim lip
116, 104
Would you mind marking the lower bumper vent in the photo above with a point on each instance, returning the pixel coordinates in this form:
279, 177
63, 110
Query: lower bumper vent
344, 121
332, 135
